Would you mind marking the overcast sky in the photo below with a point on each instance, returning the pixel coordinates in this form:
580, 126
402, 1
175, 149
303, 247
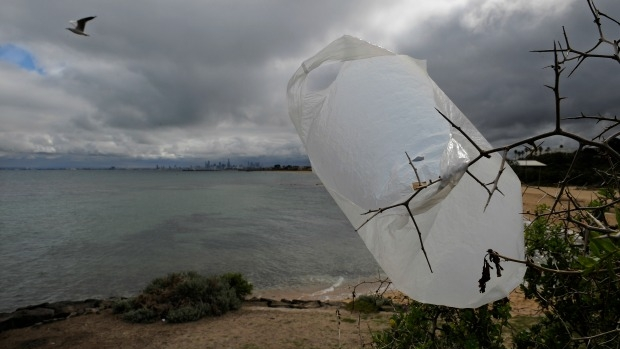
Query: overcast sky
192, 80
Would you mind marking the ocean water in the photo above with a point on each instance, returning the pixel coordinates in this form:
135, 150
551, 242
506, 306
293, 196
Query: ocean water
69, 235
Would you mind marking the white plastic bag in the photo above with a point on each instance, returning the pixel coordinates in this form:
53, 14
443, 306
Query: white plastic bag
359, 132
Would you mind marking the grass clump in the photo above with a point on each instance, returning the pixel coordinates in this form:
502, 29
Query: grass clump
185, 296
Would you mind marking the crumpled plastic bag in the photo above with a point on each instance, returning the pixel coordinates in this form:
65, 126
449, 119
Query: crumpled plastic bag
360, 134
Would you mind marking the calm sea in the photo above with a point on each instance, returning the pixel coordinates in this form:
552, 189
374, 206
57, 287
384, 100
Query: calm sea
69, 235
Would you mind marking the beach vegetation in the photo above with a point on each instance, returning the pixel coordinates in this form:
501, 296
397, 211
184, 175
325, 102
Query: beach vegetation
122, 306
581, 305
349, 320
580, 302
185, 296
434, 326
367, 304
241, 286
572, 250
140, 315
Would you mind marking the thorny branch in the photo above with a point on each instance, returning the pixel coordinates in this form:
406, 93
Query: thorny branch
580, 225
563, 54
530, 263
421, 186
383, 285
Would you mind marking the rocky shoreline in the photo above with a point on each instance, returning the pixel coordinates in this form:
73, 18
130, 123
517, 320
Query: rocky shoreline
56, 311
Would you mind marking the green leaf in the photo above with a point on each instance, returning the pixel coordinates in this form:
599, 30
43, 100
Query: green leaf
587, 262
605, 244
594, 250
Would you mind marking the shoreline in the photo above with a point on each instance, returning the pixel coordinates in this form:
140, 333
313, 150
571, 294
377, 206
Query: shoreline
46, 313
252, 326
338, 291
300, 298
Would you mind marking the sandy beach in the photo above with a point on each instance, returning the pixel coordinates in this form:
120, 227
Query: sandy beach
534, 196
250, 327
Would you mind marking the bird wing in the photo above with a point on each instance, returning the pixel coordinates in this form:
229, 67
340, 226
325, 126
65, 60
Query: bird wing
81, 23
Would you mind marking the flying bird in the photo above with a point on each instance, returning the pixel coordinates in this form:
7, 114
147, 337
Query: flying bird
79, 25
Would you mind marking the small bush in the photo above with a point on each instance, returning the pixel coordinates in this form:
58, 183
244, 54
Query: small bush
367, 304
242, 287
140, 316
434, 327
185, 296
187, 314
122, 306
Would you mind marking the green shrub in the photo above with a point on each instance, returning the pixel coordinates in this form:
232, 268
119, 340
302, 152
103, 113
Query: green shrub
434, 326
220, 296
122, 306
187, 314
582, 305
140, 315
366, 304
185, 296
242, 287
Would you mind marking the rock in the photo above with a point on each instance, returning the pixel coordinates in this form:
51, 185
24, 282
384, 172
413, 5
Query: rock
337, 304
301, 301
279, 304
46, 312
26, 317
307, 304
256, 302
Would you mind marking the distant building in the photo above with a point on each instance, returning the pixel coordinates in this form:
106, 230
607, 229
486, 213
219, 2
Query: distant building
529, 168
529, 163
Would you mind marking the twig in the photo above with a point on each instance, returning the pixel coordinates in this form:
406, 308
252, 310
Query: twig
414, 169
480, 151
580, 339
531, 263
405, 204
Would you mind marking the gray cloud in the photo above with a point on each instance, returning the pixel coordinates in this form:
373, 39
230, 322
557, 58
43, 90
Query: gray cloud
196, 79
490, 73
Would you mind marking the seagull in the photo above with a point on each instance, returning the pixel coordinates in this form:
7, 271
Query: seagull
79, 25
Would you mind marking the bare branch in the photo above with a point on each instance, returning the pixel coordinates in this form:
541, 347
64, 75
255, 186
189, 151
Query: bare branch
583, 339
417, 176
482, 152
417, 189
531, 263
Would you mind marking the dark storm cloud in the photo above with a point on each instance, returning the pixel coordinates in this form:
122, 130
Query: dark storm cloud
207, 78
196, 64
492, 75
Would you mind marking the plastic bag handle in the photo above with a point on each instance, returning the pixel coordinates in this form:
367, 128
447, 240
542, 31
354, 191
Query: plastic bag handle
345, 48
